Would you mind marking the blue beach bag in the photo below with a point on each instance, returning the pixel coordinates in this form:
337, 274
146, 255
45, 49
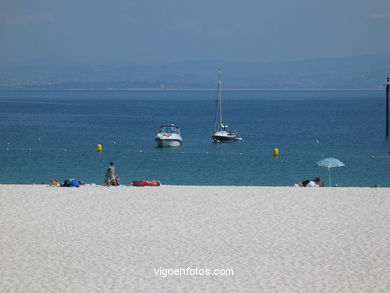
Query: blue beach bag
73, 182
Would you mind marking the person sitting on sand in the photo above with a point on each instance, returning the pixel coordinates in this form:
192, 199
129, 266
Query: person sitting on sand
311, 183
110, 177
315, 183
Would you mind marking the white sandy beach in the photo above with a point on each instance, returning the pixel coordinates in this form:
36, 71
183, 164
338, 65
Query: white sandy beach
275, 239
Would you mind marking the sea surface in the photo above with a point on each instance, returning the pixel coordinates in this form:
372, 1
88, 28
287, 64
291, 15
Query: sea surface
48, 135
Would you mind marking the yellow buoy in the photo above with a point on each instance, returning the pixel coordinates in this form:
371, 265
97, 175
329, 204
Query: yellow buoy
276, 152
99, 148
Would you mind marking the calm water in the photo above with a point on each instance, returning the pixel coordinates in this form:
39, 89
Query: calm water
53, 134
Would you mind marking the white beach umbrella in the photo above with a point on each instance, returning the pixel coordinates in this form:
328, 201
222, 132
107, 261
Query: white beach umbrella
330, 163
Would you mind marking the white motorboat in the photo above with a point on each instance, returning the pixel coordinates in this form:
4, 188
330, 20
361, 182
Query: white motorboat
221, 132
169, 136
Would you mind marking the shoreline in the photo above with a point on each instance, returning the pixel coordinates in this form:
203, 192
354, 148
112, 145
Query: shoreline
93, 185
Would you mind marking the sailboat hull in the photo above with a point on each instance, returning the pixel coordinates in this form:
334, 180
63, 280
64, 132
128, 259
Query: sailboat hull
223, 139
224, 136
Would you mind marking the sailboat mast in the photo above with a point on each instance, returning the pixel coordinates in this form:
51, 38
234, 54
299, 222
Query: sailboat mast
220, 98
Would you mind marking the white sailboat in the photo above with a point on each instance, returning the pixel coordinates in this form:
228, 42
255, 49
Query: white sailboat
221, 132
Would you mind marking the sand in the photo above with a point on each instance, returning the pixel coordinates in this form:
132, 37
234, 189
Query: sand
273, 239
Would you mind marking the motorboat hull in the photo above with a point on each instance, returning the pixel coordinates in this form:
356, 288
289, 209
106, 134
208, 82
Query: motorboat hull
164, 142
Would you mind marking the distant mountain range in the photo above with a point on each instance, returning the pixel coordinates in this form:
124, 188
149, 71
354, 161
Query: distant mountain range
352, 72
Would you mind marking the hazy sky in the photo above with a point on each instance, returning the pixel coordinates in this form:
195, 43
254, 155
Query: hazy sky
149, 31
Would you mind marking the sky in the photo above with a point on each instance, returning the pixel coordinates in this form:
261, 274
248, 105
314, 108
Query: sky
163, 31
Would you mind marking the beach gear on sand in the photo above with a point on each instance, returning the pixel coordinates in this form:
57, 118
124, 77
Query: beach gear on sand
55, 182
71, 182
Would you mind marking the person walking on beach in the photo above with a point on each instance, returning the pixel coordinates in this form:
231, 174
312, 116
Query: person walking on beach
109, 179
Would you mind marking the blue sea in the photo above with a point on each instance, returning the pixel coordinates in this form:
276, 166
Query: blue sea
48, 135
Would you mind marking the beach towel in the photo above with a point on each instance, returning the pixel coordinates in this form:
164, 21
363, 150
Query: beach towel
139, 183
146, 183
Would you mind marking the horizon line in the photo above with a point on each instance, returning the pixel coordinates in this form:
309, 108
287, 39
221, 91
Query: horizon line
191, 89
